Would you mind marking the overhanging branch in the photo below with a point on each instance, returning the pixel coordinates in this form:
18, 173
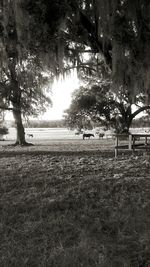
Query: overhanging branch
134, 114
8, 108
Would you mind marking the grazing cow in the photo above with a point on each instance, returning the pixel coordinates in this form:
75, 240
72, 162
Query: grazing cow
87, 135
30, 135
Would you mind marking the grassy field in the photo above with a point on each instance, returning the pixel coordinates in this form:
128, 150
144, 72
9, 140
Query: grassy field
70, 203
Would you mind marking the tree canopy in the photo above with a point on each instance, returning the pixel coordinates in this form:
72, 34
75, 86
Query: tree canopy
22, 77
96, 102
118, 31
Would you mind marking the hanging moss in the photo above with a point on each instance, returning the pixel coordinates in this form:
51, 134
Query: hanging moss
118, 28
127, 25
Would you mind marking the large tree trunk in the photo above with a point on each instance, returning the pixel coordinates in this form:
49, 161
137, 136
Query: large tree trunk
128, 116
123, 123
126, 125
15, 101
20, 139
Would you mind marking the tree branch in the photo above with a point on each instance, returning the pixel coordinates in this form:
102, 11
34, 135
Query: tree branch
7, 108
134, 114
99, 45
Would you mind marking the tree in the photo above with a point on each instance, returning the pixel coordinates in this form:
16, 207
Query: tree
98, 100
118, 30
21, 77
23, 91
100, 104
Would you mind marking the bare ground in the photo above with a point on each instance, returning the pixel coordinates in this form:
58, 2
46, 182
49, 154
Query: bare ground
72, 204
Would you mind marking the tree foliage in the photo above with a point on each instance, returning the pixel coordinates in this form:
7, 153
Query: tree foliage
99, 104
32, 87
98, 100
22, 77
118, 30
3, 130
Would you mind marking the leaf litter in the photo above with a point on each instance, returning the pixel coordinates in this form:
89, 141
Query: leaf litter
74, 209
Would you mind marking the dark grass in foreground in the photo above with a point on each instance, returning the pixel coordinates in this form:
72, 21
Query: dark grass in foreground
74, 210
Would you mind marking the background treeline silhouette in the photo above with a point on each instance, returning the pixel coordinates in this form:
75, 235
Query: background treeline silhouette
137, 123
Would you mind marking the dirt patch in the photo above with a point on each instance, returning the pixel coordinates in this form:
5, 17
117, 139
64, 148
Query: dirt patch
64, 206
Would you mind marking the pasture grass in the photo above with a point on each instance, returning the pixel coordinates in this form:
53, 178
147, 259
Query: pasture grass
74, 207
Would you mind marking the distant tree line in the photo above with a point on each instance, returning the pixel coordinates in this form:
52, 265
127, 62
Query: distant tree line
141, 122
42, 124
86, 124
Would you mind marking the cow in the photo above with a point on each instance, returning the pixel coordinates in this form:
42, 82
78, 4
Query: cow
87, 135
77, 133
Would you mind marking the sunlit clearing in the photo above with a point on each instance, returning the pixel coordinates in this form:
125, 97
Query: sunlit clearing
61, 96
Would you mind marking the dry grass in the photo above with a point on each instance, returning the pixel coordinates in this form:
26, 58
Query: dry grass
72, 204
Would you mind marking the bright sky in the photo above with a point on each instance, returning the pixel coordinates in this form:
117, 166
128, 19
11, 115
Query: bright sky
61, 98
